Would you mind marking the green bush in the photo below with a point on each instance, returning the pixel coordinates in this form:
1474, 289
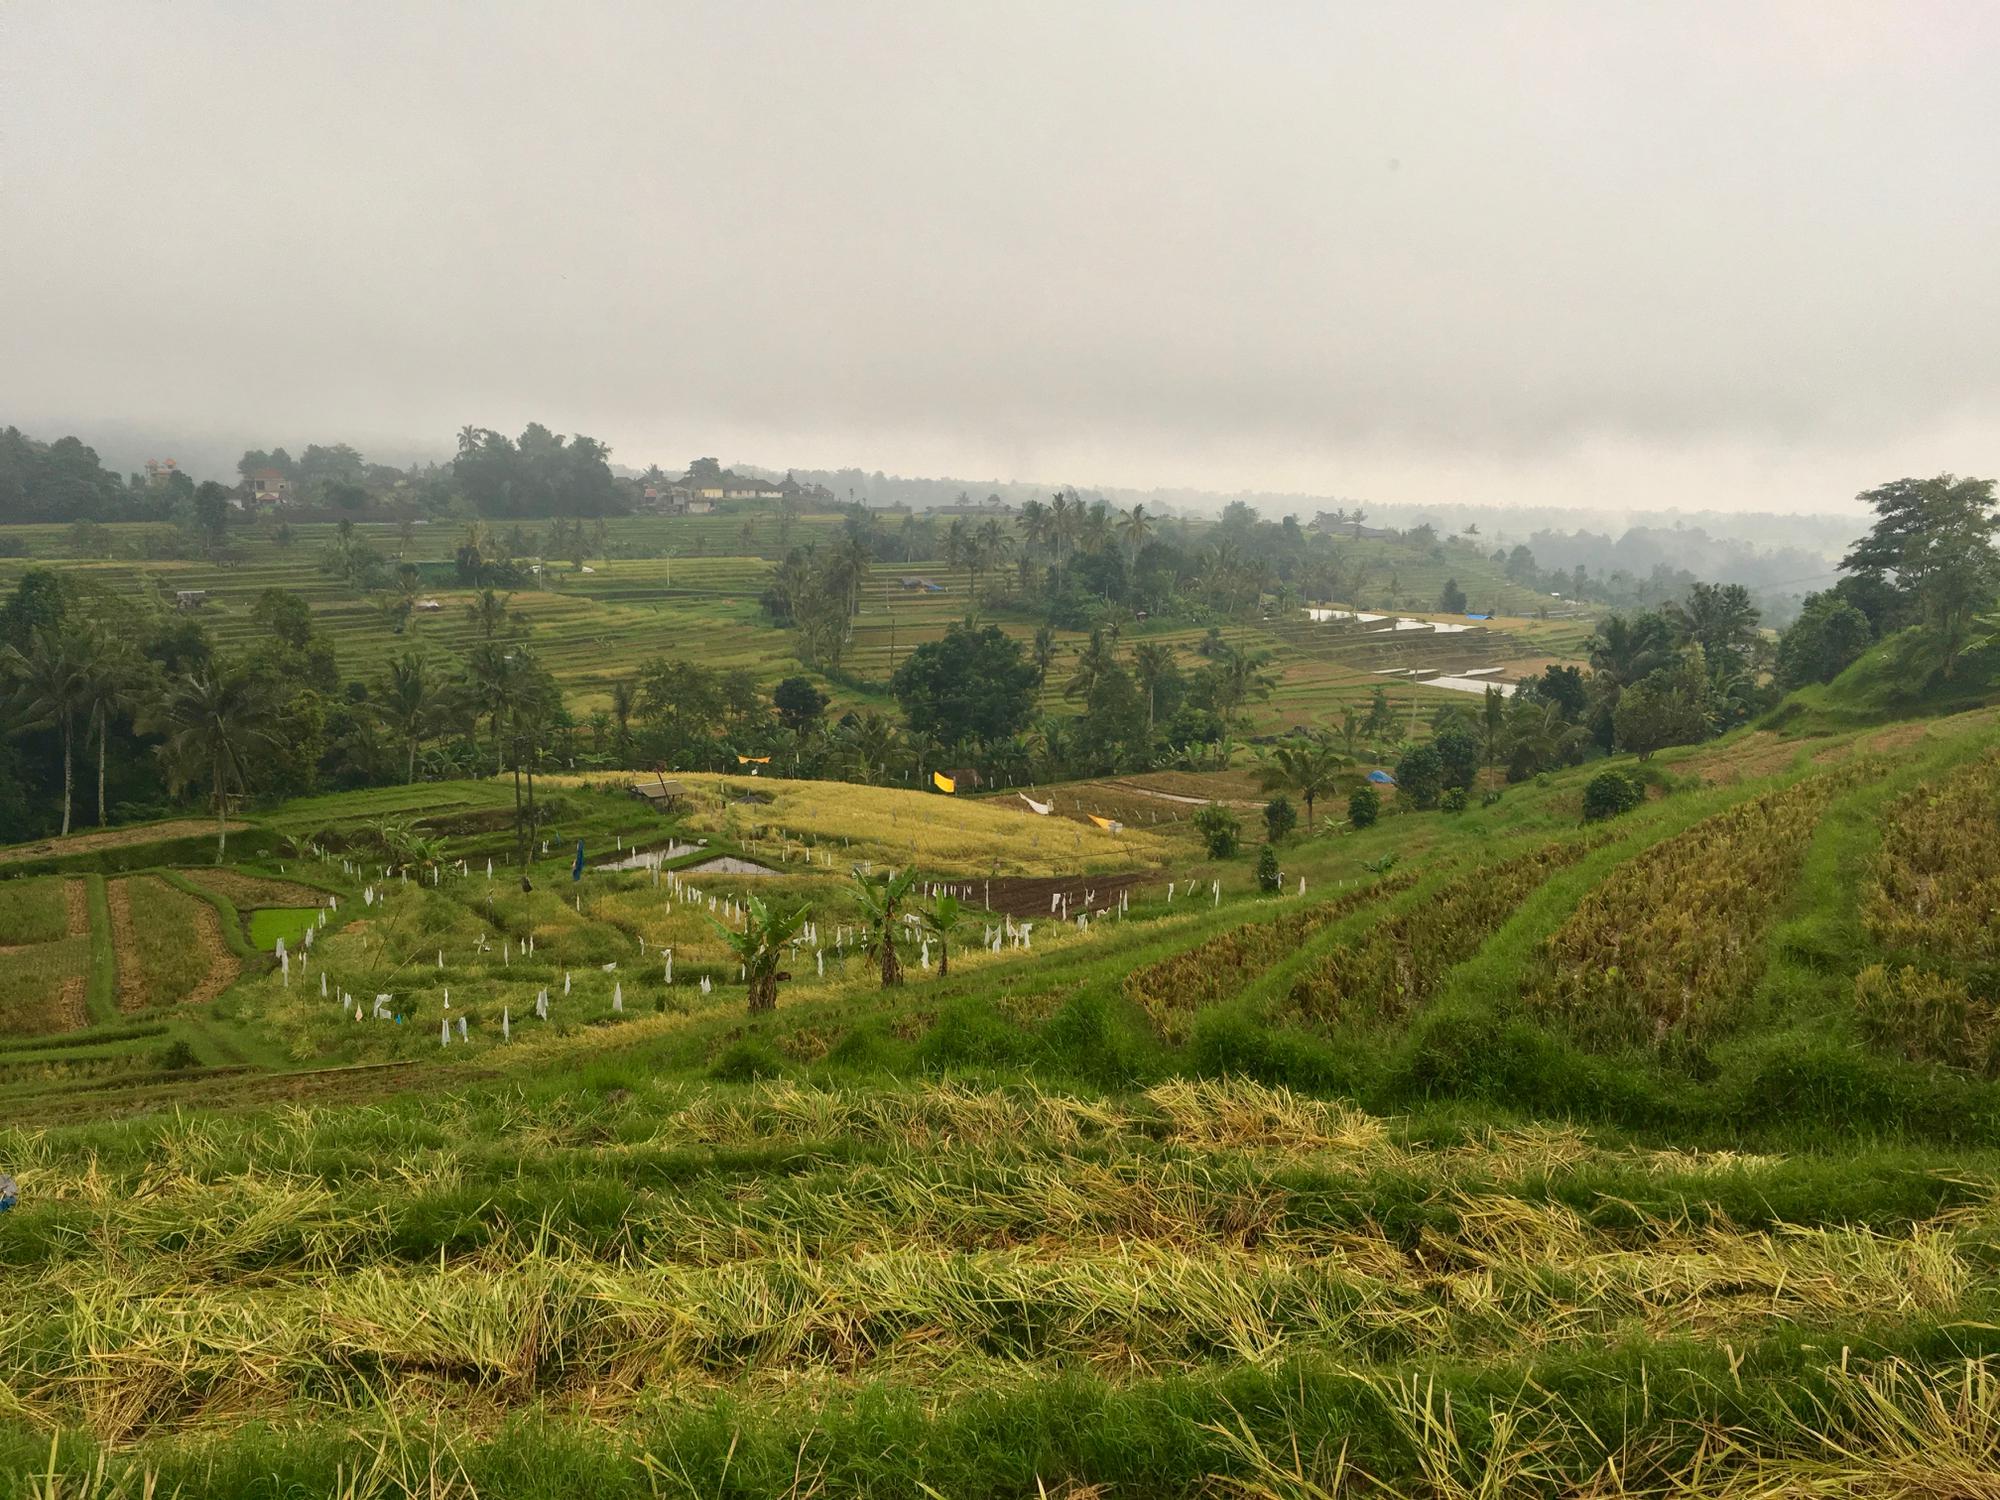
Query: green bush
1268, 877
1610, 793
1420, 777
1454, 800
1219, 830
1364, 806
1280, 818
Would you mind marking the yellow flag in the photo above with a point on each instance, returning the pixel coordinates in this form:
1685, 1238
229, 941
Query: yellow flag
753, 760
1109, 825
943, 782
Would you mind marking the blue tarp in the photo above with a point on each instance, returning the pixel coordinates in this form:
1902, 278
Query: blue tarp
1381, 778
1479, 617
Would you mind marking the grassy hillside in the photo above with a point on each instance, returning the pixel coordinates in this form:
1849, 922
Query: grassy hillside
1509, 1155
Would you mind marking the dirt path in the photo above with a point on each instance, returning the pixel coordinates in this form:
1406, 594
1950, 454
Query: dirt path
114, 838
1146, 791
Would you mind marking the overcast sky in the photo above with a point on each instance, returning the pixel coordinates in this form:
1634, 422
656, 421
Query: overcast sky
1733, 255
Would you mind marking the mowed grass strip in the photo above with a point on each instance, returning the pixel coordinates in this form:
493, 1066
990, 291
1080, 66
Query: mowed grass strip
170, 945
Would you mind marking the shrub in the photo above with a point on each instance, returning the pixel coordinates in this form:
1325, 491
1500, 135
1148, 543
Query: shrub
747, 1060
1364, 806
177, 1056
1611, 793
1458, 752
1420, 777
1219, 830
1280, 818
1455, 800
1268, 876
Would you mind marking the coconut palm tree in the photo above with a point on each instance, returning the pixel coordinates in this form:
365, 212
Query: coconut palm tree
111, 679
939, 920
882, 898
760, 947
871, 745
489, 614
1062, 521
1092, 663
1152, 664
991, 544
52, 679
624, 699
1309, 766
1035, 523
409, 701
1044, 651
1136, 528
1242, 678
216, 720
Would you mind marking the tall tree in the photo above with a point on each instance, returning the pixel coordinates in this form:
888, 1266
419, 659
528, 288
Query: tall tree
217, 720
409, 701
1152, 664
1308, 766
52, 685
111, 676
1934, 539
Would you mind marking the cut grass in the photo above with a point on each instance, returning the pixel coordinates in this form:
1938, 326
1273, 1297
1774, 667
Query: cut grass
267, 924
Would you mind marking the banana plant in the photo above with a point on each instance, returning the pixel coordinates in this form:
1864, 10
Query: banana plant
760, 947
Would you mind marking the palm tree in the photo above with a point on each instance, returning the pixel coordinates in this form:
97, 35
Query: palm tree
624, 699
939, 921
1357, 516
1352, 725
1062, 521
489, 613
408, 701
1152, 664
1035, 523
760, 947
1243, 677
1092, 664
957, 543
991, 544
108, 689
1492, 726
1309, 766
53, 677
1044, 651
215, 720
882, 899
871, 744
1136, 527
1055, 738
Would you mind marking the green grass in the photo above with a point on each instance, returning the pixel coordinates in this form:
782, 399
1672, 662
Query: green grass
1215, 1198
269, 923
161, 960
31, 911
